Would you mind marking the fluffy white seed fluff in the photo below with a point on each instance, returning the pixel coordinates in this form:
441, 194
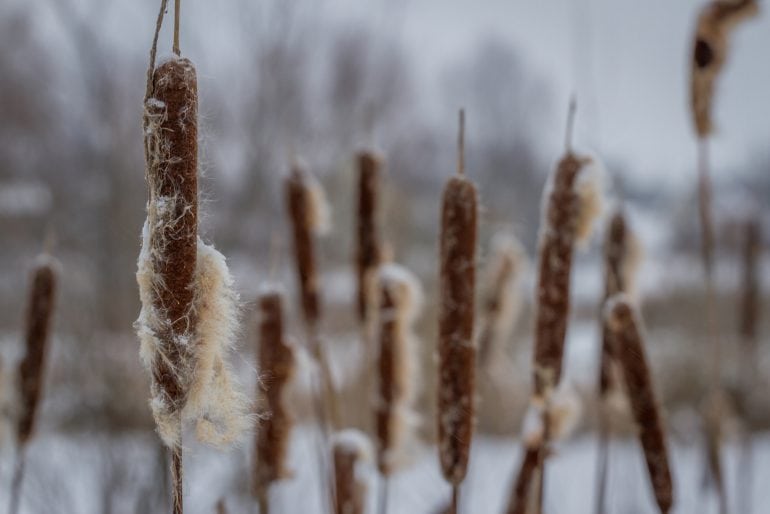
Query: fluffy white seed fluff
564, 412
589, 187
214, 402
319, 213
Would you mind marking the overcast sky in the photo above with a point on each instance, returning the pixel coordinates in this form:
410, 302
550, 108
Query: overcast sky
627, 60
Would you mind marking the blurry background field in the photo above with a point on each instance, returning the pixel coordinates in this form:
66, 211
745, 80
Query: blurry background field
323, 79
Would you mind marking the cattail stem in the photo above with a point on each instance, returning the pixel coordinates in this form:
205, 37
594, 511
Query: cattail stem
384, 494
177, 477
456, 344
177, 7
16, 483
461, 143
455, 499
627, 337
602, 462
263, 501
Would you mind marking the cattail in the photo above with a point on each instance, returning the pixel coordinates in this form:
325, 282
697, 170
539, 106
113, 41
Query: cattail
400, 303
526, 480
277, 367
31, 368
350, 449
749, 312
189, 315
709, 54
500, 306
308, 213
368, 241
571, 202
38, 326
621, 253
222, 507
456, 346
624, 322
621, 256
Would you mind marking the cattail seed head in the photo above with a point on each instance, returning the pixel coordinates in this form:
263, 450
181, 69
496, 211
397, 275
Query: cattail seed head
623, 321
171, 232
38, 325
309, 215
368, 250
709, 54
189, 315
456, 346
570, 204
621, 252
350, 450
277, 367
400, 302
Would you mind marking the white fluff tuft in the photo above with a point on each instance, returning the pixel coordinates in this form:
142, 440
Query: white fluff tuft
319, 213
215, 402
589, 188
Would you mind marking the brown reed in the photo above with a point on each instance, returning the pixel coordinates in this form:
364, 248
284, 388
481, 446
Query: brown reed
749, 307
522, 493
38, 326
456, 345
222, 507
620, 255
624, 322
276, 364
709, 54
367, 231
557, 241
39, 315
619, 261
349, 449
297, 197
172, 178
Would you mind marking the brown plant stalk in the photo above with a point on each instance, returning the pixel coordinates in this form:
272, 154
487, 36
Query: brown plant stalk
619, 262
276, 364
32, 366
367, 230
625, 325
456, 345
349, 449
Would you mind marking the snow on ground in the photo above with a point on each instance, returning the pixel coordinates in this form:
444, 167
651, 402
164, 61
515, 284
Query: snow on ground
76, 474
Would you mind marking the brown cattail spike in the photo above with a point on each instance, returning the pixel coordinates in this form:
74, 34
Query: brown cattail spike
456, 345
368, 241
709, 54
350, 448
299, 201
399, 305
276, 368
624, 323
172, 222
619, 260
38, 326
561, 227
